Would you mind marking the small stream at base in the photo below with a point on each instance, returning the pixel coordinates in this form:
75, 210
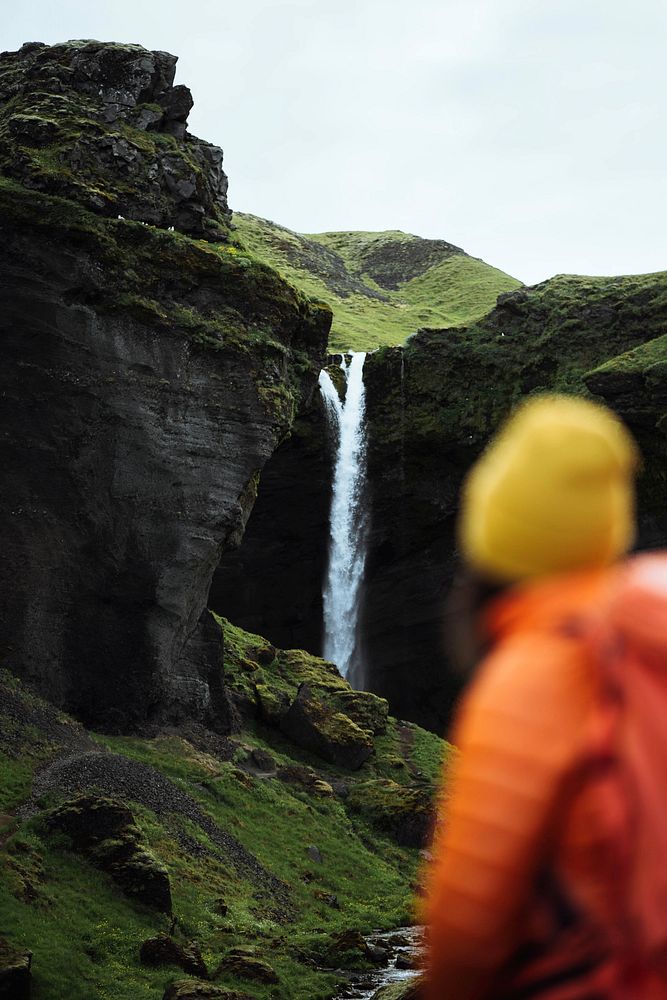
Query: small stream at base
403, 946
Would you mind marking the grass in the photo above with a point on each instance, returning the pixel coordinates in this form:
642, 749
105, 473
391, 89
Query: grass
85, 935
361, 276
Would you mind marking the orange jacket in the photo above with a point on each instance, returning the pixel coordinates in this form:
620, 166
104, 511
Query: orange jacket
523, 897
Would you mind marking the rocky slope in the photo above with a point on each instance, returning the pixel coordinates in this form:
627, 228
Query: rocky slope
148, 376
193, 865
381, 286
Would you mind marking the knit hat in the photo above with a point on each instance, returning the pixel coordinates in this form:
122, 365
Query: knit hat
552, 492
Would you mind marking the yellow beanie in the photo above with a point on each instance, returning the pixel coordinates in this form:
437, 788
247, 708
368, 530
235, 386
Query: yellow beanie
554, 491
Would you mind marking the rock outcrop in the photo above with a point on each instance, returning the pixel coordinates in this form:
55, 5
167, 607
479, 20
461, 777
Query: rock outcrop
104, 830
147, 378
331, 735
163, 949
104, 124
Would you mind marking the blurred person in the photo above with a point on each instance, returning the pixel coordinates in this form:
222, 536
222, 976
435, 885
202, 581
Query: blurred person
549, 872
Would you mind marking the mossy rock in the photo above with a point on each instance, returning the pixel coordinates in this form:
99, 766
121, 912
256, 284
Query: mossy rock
272, 704
163, 949
189, 989
330, 735
404, 811
240, 963
104, 830
368, 710
348, 949
103, 124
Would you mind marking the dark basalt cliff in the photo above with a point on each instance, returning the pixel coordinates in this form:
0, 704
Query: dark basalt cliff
147, 377
431, 407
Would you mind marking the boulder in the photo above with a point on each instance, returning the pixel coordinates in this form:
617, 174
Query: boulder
406, 812
246, 965
105, 831
15, 975
349, 949
330, 735
368, 710
188, 989
272, 704
165, 950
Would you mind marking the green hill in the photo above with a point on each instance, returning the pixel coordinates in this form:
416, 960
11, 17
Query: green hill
382, 287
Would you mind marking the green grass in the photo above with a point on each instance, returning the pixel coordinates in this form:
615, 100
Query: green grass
85, 935
354, 273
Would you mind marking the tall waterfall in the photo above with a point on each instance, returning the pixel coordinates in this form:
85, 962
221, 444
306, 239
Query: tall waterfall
347, 523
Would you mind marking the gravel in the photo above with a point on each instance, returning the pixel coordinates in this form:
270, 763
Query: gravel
132, 781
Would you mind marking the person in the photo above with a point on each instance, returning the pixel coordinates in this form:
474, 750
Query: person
549, 870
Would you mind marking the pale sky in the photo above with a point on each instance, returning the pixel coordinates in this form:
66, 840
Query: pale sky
529, 132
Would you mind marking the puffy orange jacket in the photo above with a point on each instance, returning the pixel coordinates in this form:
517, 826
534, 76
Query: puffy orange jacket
528, 893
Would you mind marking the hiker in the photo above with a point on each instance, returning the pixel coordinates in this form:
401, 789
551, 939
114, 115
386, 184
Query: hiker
549, 872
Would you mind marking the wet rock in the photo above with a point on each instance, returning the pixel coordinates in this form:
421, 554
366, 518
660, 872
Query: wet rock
164, 950
328, 734
239, 962
407, 961
15, 975
105, 831
377, 954
349, 950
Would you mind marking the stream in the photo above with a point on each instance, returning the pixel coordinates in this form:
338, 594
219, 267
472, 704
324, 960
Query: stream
403, 946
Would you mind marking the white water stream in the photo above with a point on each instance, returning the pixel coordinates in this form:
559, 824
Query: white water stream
347, 523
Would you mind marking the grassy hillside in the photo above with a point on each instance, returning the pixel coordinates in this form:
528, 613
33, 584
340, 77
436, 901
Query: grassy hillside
271, 852
382, 287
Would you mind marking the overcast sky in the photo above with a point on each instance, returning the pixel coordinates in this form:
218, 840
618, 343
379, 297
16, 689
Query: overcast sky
529, 132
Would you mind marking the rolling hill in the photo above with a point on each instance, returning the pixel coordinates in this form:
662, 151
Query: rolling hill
382, 287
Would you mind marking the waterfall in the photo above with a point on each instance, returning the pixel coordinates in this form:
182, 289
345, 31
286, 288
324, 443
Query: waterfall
347, 523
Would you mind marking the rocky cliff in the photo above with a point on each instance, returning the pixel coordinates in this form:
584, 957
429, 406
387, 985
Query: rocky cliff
147, 377
431, 406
